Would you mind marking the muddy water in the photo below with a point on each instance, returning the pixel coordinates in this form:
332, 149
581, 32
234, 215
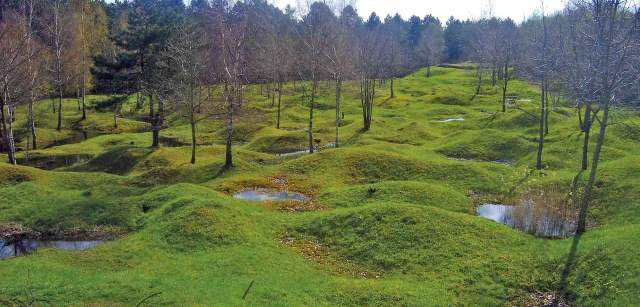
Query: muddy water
26, 247
263, 195
530, 218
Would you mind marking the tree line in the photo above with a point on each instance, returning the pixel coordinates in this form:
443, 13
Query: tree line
197, 60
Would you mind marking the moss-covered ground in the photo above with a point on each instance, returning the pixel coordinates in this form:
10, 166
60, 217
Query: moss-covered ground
392, 220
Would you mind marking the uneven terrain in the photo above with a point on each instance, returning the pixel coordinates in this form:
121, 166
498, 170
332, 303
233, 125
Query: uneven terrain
391, 218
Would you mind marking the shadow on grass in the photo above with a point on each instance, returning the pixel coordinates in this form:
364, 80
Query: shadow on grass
563, 285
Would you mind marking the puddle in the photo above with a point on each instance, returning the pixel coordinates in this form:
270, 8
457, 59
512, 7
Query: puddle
532, 219
448, 120
503, 162
302, 152
263, 195
26, 247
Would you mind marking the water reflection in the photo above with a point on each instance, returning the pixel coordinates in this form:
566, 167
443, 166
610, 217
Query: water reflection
457, 119
25, 247
262, 195
534, 219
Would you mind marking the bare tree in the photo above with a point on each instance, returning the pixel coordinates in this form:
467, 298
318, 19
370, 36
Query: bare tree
537, 66
58, 30
610, 33
187, 55
371, 52
341, 55
232, 25
477, 48
431, 46
315, 27
508, 51
16, 77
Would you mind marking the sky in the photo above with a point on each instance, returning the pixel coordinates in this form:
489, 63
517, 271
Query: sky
518, 10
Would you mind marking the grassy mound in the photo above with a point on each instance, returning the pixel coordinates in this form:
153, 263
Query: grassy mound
413, 133
191, 224
117, 161
448, 100
10, 174
366, 165
278, 142
392, 222
487, 145
389, 238
398, 192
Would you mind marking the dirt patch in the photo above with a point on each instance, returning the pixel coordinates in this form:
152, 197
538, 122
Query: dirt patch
12, 232
297, 207
543, 299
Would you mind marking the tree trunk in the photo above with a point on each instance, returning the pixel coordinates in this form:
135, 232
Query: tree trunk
59, 108
32, 125
479, 83
586, 198
2, 138
229, 138
84, 62
542, 121
494, 78
393, 94
586, 128
84, 106
505, 85
138, 101
314, 88
273, 97
546, 116
115, 114
78, 99
279, 104
338, 107
193, 138
151, 109
155, 136
367, 96
7, 129
269, 90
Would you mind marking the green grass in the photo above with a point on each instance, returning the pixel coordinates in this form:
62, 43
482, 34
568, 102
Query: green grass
392, 219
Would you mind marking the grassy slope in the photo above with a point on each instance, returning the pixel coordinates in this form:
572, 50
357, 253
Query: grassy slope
393, 203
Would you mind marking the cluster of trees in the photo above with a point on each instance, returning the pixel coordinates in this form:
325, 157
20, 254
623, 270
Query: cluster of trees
177, 58
45, 50
587, 54
172, 56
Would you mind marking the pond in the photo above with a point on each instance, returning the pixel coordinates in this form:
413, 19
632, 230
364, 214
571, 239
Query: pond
528, 217
264, 195
25, 247
448, 120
